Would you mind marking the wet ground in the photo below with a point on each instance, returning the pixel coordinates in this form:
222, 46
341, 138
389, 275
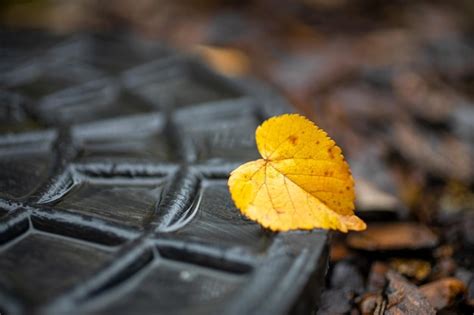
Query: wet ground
392, 83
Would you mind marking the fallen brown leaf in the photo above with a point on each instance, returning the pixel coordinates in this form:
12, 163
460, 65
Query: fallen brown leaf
443, 292
405, 298
393, 236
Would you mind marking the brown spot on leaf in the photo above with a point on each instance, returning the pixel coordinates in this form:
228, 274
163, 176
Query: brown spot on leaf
330, 152
293, 139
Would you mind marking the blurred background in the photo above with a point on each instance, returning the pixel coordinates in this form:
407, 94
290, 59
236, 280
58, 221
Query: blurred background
391, 81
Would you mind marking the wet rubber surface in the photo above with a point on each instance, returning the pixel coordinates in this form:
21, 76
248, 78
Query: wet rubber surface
114, 158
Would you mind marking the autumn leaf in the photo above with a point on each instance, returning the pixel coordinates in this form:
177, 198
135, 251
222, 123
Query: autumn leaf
301, 182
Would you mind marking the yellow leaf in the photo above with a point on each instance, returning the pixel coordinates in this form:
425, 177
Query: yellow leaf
301, 182
231, 62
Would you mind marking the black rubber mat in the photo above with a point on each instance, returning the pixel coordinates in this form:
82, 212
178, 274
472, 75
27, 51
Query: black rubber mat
114, 157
